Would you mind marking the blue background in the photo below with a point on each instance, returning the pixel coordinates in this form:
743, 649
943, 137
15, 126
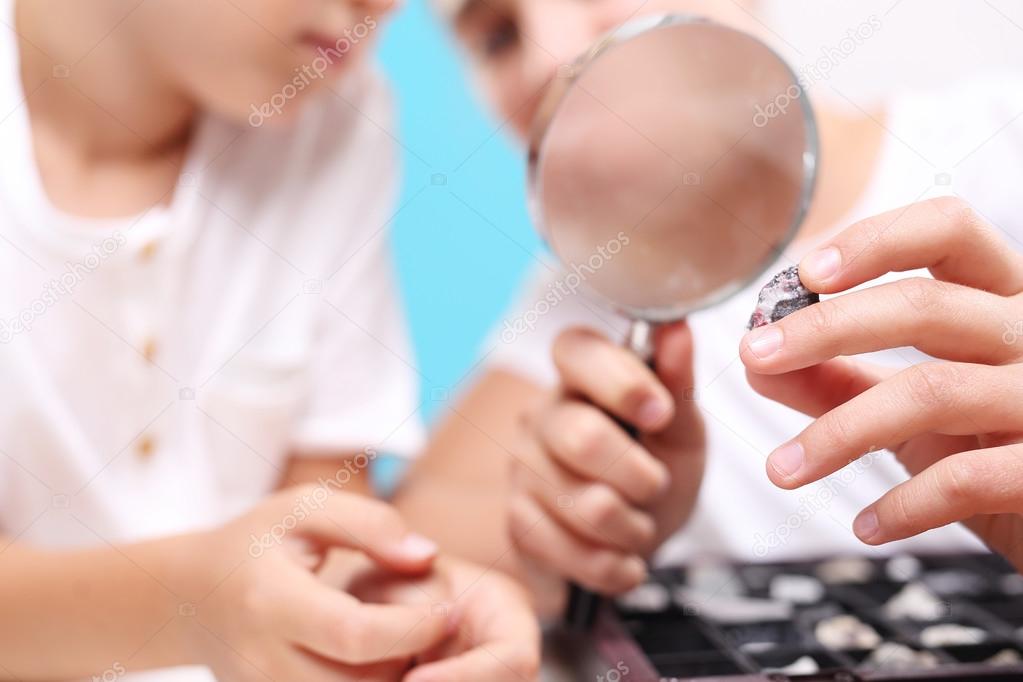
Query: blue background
461, 233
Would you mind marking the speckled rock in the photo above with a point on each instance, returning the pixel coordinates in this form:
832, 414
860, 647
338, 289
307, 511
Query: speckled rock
782, 296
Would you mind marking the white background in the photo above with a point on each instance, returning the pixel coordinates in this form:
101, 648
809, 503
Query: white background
921, 43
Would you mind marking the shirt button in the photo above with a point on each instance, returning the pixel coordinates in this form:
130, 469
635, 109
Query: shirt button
149, 349
145, 447
147, 252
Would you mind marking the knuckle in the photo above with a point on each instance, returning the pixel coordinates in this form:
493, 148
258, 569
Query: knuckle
820, 319
650, 488
600, 505
870, 233
603, 571
900, 509
524, 664
522, 517
633, 393
645, 477
957, 481
965, 215
351, 638
567, 344
836, 428
930, 384
646, 530
383, 518
921, 293
581, 432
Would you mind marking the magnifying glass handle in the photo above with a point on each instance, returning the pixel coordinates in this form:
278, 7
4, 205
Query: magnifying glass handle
583, 605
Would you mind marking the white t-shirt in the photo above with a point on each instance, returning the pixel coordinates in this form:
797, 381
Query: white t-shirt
967, 141
157, 370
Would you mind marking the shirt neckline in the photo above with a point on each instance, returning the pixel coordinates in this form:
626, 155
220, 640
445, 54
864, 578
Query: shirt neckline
24, 184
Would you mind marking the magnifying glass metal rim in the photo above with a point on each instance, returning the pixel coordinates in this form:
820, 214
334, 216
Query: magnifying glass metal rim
551, 102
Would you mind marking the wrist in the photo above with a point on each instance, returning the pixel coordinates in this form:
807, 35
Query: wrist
182, 572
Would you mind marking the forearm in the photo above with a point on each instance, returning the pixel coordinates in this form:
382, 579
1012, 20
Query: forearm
330, 471
73, 614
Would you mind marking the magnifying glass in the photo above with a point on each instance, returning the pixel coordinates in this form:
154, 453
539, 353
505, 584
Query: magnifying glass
670, 166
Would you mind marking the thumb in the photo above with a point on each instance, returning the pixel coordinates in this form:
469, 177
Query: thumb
673, 361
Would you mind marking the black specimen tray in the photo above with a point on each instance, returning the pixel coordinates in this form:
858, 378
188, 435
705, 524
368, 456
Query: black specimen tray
679, 643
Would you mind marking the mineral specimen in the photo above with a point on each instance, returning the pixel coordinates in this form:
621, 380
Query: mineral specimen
1005, 657
891, 656
804, 665
951, 634
796, 589
783, 295
915, 602
845, 570
955, 583
903, 568
846, 632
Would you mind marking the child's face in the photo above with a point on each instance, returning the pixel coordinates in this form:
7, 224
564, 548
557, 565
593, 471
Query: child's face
255, 60
515, 46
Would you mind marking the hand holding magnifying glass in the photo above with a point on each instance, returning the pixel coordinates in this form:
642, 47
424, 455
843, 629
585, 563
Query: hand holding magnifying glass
662, 153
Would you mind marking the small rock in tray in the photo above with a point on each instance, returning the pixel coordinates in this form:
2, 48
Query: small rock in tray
903, 568
951, 634
804, 665
796, 589
846, 632
915, 602
1005, 657
845, 571
782, 296
892, 656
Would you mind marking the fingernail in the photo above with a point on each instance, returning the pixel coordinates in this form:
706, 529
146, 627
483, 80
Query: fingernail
821, 265
788, 459
866, 525
651, 412
415, 546
764, 342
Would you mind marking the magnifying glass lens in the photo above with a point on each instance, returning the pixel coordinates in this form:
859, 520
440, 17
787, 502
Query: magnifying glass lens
673, 169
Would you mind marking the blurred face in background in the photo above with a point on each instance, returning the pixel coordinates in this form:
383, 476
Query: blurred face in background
246, 59
516, 46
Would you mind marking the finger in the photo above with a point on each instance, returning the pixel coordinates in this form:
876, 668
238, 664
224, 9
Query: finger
338, 627
613, 378
364, 524
944, 320
945, 235
943, 397
673, 361
499, 629
591, 445
307, 666
821, 388
953, 489
593, 511
673, 358
501, 661
598, 569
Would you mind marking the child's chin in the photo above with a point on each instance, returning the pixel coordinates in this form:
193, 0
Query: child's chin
283, 106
